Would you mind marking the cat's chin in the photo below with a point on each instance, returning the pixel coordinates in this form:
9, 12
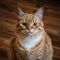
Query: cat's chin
30, 34
26, 34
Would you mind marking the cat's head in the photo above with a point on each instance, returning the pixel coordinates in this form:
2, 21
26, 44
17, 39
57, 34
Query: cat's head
30, 23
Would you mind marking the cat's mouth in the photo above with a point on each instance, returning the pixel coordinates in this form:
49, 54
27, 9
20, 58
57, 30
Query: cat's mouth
32, 32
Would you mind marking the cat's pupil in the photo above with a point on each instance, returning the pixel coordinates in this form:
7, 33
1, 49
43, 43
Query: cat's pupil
24, 24
34, 24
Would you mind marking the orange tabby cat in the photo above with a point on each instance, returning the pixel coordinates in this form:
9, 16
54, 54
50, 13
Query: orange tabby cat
33, 42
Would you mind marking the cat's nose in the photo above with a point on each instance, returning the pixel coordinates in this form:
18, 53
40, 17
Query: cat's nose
28, 27
30, 31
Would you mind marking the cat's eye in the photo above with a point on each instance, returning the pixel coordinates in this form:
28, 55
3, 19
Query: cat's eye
34, 24
24, 24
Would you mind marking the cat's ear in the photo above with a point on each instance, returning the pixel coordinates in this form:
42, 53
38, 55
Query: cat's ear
20, 13
39, 13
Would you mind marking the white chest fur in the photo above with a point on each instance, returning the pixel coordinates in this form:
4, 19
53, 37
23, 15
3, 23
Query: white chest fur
30, 41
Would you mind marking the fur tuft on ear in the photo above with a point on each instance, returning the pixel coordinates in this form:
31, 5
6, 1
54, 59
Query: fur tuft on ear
39, 13
20, 13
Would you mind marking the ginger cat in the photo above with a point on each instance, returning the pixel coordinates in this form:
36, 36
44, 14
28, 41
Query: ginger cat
33, 43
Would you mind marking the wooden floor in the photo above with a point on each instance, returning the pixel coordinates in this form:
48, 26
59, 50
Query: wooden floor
9, 21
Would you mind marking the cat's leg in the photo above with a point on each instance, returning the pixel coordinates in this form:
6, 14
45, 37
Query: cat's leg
48, 49
49, 56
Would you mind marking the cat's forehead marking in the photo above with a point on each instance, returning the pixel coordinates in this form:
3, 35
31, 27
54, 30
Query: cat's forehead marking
29, 18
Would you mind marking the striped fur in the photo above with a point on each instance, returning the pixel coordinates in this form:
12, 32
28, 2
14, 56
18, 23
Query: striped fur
33, 43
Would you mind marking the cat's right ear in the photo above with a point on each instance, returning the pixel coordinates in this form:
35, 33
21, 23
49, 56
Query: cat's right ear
20, 13
39, 13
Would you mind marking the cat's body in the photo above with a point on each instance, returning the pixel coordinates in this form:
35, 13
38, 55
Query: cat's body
42, 50
33, 43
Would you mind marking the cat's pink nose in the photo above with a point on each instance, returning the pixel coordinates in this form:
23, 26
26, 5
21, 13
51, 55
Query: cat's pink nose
30, 31
30, 28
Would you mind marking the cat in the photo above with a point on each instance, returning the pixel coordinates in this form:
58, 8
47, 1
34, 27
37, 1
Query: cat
32, 43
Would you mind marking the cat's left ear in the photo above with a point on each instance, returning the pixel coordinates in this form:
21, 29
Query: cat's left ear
39, 13
20, 13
